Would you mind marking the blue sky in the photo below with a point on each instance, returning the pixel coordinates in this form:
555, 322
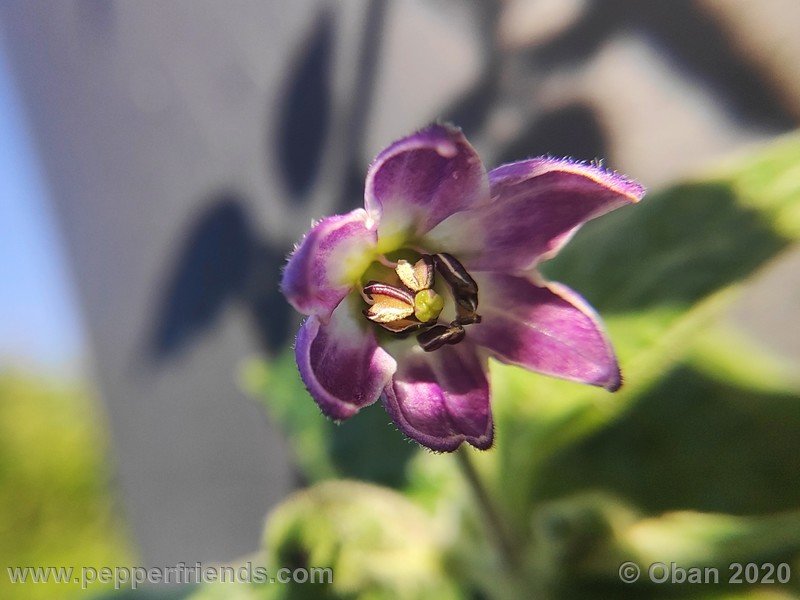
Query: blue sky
38, 314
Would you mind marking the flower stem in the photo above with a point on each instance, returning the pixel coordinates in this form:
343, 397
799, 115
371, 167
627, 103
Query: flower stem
491, 516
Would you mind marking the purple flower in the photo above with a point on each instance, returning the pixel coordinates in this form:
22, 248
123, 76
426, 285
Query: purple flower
408, 297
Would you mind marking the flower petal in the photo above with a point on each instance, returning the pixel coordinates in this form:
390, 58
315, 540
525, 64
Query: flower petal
441, 399
537, 205
341, 363
545, 327
422, 179
331, 256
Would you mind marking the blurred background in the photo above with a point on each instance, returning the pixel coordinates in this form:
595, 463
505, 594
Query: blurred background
158, 160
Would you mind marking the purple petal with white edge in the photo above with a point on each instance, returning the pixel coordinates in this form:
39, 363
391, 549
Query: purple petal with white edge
537, 205
422, 179
341, 363
544, 327
319, 272
441, 399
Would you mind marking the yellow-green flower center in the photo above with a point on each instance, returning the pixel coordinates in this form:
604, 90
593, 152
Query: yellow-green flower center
428, 305
401, 298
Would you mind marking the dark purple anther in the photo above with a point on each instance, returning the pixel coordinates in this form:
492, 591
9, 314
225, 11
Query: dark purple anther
439, 335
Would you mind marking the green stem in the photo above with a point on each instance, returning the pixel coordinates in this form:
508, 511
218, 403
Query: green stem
491, 516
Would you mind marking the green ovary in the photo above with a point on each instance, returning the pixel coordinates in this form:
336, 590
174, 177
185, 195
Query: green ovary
427, 305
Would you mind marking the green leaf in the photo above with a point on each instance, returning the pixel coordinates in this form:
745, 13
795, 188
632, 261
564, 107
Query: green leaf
728, 355
581, 541
673, 249
377, 543
691, 442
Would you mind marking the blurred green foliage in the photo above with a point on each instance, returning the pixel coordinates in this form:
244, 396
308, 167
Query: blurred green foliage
56, 507
322, 450
695, 461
